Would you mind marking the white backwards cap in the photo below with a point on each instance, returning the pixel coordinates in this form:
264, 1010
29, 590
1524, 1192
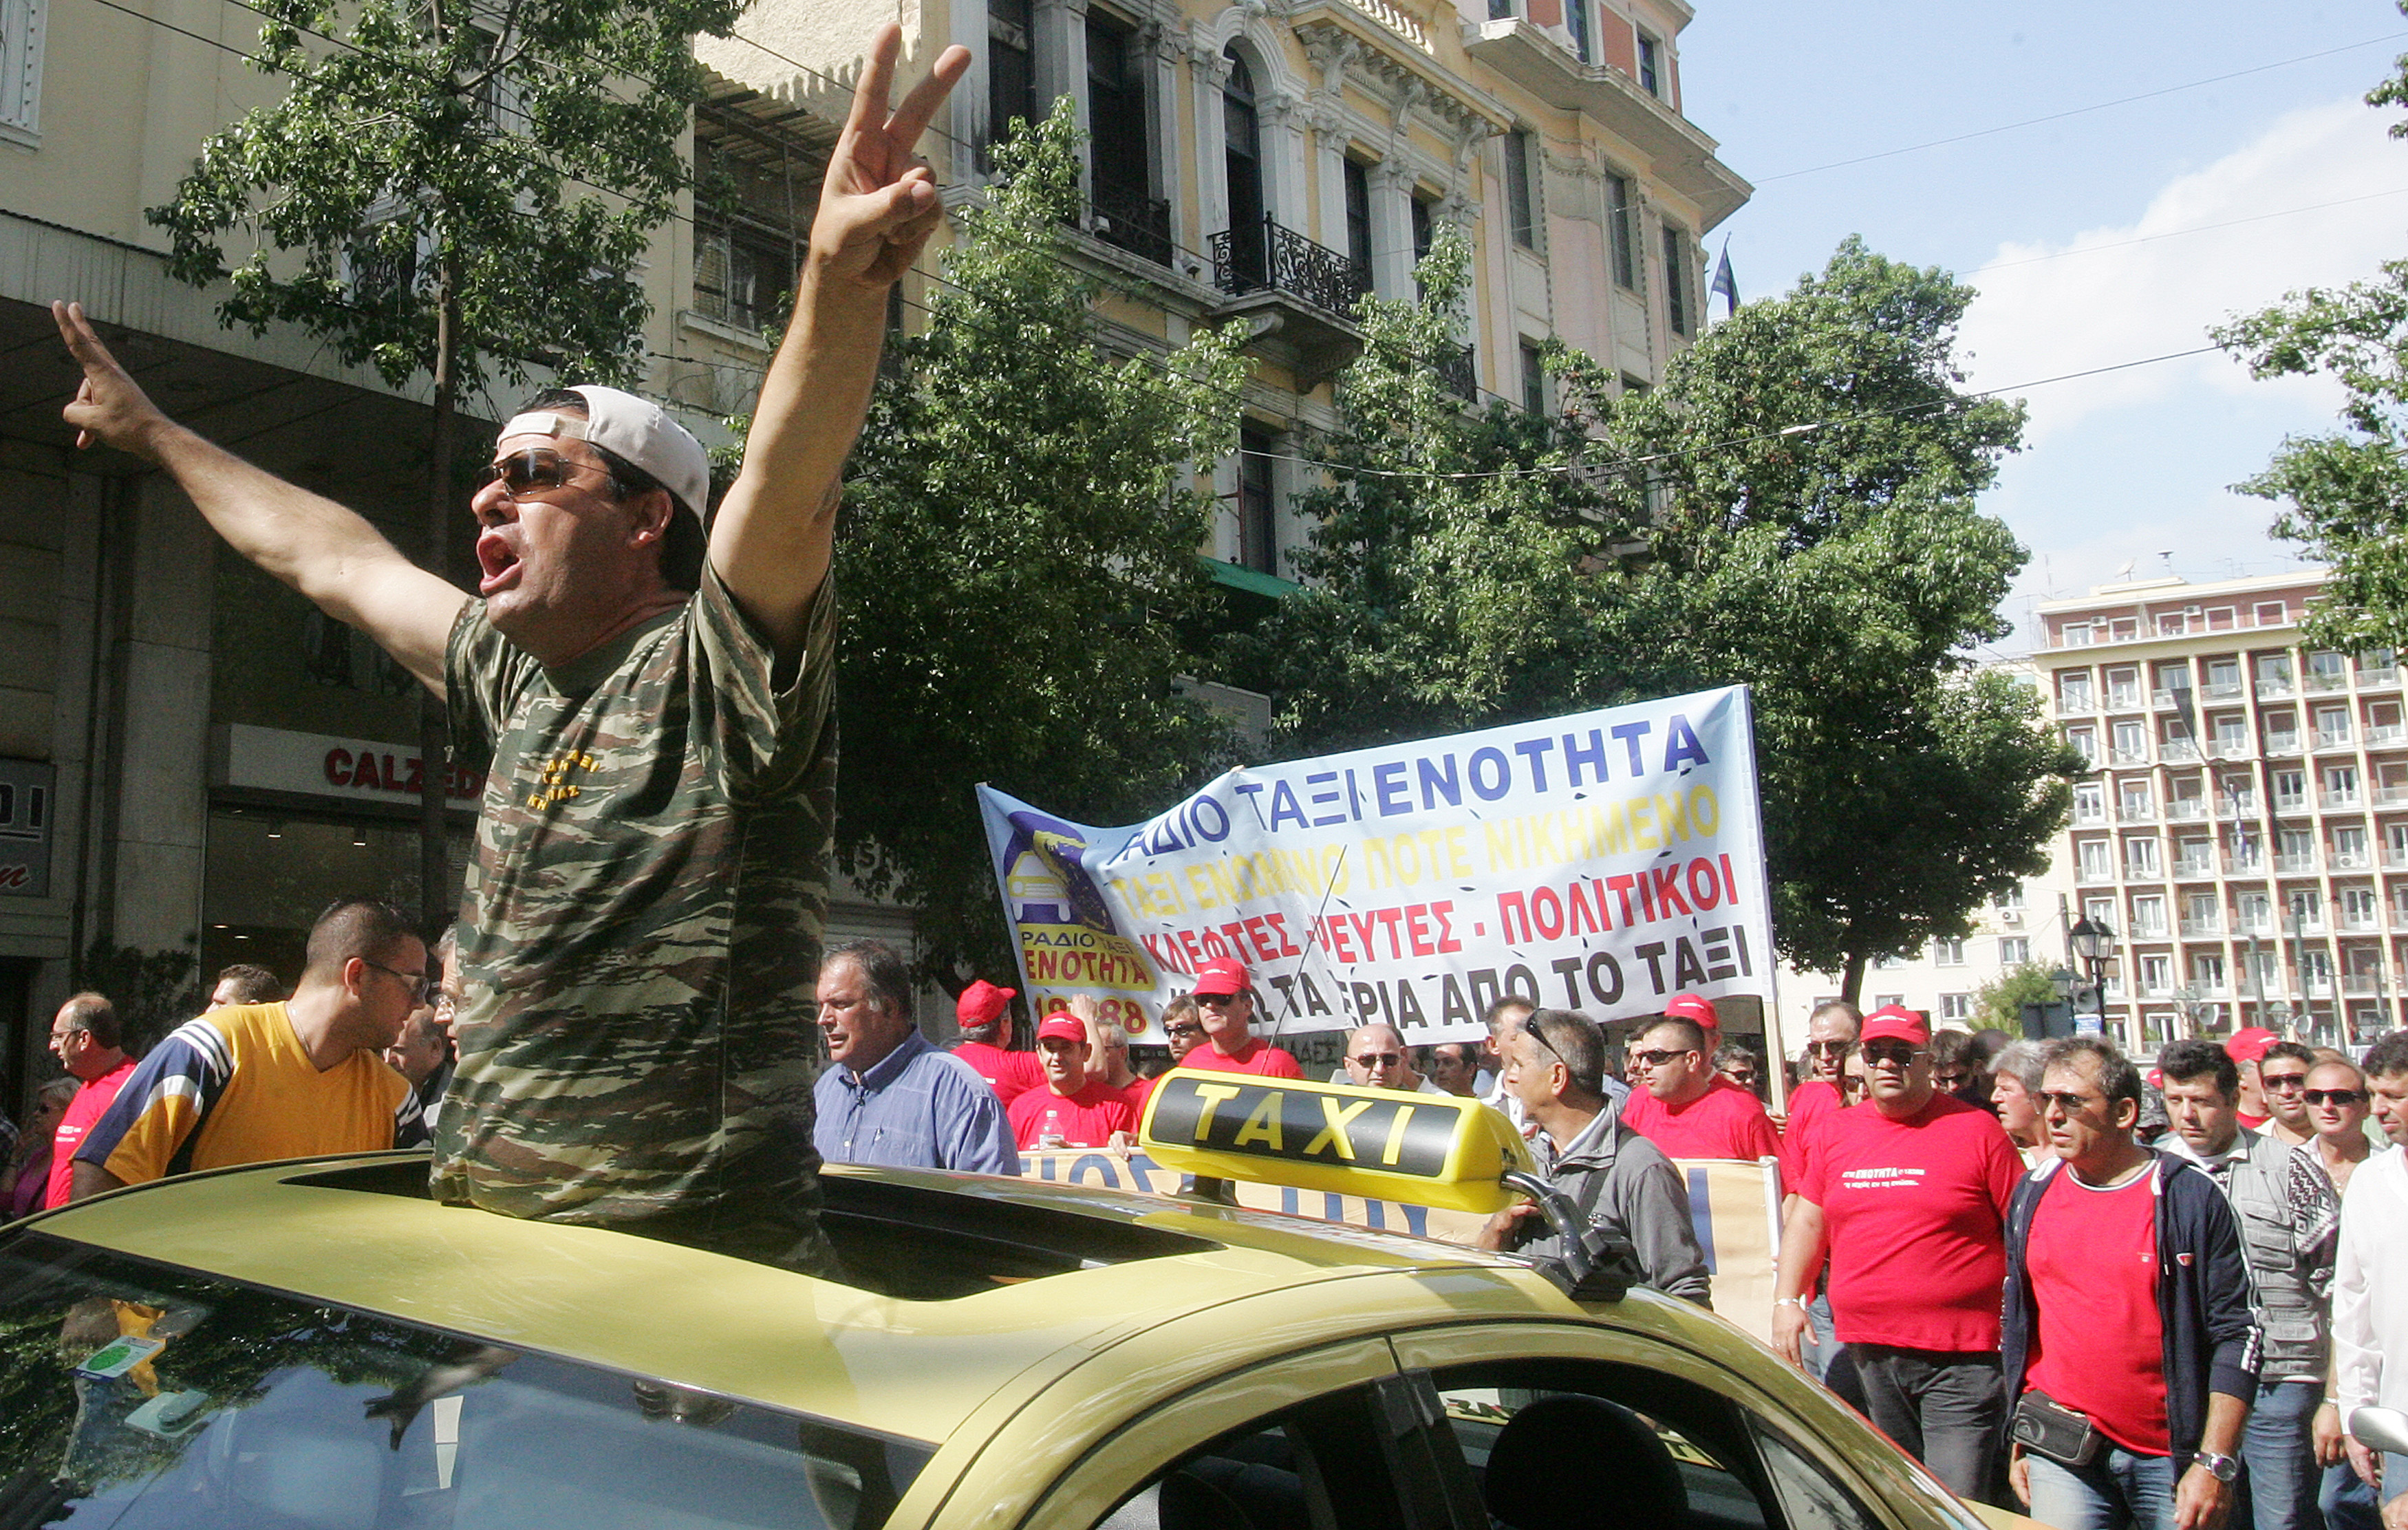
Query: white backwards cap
637, 430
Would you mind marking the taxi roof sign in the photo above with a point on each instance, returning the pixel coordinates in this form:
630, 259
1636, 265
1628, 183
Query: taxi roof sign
1432, 1150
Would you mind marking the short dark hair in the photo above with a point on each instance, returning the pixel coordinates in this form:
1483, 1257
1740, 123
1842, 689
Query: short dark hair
1463, 1052
2182, 1061
1734, 1051
93, 1013
2119, 1080
253, 983
2296, 1051
2387, 1056
1951, 1049
883, 973
367, 928
1692, 1035
1576, 1041
684, 543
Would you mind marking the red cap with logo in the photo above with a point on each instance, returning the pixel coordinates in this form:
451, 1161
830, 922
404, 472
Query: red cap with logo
1692, 1007
1223, 974
1058, 1027
982, 1004
2250, 1045
1894, 1023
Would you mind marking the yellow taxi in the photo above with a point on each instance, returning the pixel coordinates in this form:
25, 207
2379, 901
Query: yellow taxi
315, 1345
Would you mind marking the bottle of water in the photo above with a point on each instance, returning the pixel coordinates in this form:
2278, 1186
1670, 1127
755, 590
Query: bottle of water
1049, 1133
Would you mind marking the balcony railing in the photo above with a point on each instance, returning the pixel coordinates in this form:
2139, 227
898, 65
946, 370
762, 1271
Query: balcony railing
2221, 690
2386, 732
2395, 858
2237, 805
2282, 743
2356, 984
2172, 698
2135, 812
2128, 757
2378, 675
2180, 752
2324, 679
2076, 705
2095, 874
2291, 802
2351, 860
2186, 810
2199, 928
2296, 863
1132, 220
2229, 749
2345, 796
1458, 375
2186, 865
2273, 685
2123, 698
2387, 796
2332, 740
1267, 256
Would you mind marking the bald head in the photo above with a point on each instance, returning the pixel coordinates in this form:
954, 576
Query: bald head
1377, 1058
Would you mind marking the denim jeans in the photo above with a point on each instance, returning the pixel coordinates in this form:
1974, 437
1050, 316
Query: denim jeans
1826, 1348
2349, 1504
2120, 1489
1947, 1411
2277, 1489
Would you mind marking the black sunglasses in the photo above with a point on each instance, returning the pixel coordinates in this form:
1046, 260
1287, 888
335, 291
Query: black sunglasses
2335, 1096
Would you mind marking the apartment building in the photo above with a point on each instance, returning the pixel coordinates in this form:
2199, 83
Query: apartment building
2245, 834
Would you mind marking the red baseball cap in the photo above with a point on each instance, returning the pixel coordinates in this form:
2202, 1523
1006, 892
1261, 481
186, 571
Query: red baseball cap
1058, 1027
1691, 1006
982, 1003
1223, 975
2250, 1045
1894, 1023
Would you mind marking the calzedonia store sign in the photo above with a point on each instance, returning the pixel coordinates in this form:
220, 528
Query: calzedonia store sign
346, 770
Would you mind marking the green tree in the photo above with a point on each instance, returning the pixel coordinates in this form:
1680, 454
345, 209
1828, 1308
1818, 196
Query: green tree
1805, 478
2000, 1001
2347, 492
1017, 556
456, 189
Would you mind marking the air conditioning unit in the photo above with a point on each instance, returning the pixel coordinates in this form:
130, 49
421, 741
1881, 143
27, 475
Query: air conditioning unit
2011, 918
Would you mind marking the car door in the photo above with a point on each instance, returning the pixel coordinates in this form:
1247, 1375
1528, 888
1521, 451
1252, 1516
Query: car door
1663, 1433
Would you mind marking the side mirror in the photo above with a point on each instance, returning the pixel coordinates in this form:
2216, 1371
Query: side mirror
2380, 1429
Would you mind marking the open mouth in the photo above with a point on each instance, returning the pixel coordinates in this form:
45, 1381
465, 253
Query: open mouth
497, 561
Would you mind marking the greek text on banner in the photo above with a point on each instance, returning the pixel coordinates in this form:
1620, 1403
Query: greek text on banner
1599, 862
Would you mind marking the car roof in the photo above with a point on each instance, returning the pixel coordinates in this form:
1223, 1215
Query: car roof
358, 1232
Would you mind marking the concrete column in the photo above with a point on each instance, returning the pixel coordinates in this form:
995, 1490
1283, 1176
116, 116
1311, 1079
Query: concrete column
1208, 70
1061, 63
1392, 231
162, 768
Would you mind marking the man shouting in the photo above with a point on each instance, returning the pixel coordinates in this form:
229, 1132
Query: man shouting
642, 919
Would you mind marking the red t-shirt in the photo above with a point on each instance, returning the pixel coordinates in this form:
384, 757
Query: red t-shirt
1725, 1122
1810, 1103
1140, 1090
1918, 1215
2097, 1347
89, 1104
1255, 1057
1008, 1073
1087, 1119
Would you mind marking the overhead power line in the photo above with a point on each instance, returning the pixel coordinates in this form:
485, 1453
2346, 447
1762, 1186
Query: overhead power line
2077, 111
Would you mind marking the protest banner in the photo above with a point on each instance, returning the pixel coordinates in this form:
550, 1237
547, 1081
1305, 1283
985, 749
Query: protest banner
1734, 1205
1600, 862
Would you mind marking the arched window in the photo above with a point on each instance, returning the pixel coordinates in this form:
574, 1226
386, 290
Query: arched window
1241, 135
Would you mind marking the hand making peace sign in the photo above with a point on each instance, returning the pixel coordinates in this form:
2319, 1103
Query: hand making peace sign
878, 203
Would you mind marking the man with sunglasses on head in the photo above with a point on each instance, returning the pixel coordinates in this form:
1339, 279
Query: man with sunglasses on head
1907, 1197
1554, 1066
295, 1079
2290, 1219
643, 918
2130, 1341
1224, 1002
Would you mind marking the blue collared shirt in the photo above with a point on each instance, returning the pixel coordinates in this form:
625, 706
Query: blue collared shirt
917, 1108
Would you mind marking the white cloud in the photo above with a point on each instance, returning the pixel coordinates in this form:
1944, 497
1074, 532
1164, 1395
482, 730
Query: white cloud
2104, 299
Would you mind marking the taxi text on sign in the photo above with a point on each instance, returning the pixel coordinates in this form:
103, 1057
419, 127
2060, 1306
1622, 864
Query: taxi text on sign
1600, 862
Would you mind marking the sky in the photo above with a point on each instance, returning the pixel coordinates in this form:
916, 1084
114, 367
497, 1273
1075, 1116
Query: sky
2088, 236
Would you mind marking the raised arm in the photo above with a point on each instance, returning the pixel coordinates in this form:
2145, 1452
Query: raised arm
775, 532
331, 554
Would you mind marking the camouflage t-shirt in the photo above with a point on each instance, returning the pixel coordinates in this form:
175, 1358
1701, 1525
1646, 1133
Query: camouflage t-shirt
641, 926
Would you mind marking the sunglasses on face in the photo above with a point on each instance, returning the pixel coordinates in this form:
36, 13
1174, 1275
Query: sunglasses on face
1216, 1001
2073, 1105
1830, 1049
422, 986
1878, 1056
1180, 1033
2335, 1096
1655, 1058
2283, 1081
1379, 1059
537, 468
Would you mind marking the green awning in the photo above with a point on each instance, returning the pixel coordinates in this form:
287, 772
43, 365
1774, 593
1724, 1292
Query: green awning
1269, 586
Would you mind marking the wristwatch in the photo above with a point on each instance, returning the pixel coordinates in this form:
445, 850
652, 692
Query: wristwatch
2224, 1469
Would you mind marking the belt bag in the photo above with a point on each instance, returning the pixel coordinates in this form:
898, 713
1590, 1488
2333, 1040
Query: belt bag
2046, 1427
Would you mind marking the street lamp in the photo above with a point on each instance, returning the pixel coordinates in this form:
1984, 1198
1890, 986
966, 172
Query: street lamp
2092, 941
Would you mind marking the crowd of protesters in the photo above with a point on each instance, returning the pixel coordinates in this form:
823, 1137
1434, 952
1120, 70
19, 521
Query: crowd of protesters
2119, 1293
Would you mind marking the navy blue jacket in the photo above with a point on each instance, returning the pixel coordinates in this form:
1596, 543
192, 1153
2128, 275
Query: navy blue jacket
2207, 1307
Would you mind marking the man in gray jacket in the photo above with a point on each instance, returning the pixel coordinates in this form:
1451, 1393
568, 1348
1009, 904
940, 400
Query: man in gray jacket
1554, 1067
2289, 1221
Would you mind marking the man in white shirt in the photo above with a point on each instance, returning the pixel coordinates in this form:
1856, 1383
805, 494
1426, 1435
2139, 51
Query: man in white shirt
2369, 1292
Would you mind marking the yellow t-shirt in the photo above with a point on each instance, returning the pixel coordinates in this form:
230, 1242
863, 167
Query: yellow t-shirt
235, 1087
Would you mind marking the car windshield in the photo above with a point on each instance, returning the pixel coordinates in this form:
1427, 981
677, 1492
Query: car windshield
133, 1394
